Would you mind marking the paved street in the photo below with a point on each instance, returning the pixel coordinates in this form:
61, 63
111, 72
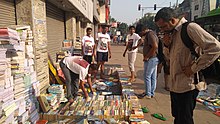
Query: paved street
161, 102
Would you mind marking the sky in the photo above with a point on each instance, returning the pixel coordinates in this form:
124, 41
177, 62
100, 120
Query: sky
127, 10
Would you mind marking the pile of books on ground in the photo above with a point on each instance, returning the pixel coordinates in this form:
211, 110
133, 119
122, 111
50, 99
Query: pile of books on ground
136, 114
211, 98
18, 76
55, 96
58, 90
105, 105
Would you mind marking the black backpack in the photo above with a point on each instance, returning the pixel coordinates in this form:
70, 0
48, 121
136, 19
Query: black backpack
160, 54
188, 42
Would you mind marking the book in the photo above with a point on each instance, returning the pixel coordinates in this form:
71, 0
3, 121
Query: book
44, 103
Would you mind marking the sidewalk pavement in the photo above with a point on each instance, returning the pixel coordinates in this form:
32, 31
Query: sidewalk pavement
161, 102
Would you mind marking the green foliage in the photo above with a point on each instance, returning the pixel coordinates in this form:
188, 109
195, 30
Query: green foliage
112, 19
123, 27
148, 21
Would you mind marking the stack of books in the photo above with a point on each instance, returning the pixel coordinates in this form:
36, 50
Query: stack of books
19, 75
133, 106
52, 100
57, 90
109, 107
7, 36
10, 35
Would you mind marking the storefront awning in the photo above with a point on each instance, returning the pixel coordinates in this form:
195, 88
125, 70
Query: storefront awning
82, 9
211, 18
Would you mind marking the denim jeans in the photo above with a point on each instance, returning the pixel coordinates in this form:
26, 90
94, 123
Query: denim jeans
72, 81
150, 75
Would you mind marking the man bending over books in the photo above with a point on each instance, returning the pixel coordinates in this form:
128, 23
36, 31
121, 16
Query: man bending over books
76, 70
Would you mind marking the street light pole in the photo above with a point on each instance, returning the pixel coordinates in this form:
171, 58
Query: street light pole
142, 8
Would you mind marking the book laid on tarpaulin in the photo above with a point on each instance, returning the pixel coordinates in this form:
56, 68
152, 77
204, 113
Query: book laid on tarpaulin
44, 103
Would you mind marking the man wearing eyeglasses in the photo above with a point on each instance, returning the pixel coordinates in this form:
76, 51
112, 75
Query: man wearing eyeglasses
183, 89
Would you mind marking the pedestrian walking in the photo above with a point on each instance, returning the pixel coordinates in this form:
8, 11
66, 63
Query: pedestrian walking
184, 89
132, 41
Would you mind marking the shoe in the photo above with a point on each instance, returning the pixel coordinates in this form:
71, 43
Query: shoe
148, 97
152, 96
144, 94
141, 96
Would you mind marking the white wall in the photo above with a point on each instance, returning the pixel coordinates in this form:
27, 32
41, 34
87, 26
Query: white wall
102, 14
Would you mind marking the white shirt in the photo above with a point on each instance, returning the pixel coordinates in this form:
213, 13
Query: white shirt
103, 40
88, 45
132, 41
77, 65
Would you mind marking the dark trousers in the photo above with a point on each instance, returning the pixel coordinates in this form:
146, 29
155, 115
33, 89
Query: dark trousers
182, 105
88, 58
72, 81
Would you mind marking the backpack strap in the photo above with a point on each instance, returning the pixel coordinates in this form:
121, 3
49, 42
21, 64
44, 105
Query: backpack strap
187, 41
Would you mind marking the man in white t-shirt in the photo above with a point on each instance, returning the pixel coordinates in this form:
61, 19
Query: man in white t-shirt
76, 70
132, 40
103, 48
88, 46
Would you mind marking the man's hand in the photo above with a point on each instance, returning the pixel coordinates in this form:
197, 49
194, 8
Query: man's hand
187, 71
123, 54
145, 59
133, 48
110, 56
166, 39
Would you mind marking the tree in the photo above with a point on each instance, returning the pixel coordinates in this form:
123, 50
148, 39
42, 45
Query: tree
146, 21
123, 27
112, 19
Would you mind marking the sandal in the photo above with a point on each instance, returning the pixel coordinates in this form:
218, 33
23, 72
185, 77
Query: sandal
131, 80
145, 109
159, 116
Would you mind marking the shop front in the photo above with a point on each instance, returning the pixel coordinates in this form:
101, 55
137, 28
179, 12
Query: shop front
7, 12
55, 19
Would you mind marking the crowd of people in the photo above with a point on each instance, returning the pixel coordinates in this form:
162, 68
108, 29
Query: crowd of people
179, 64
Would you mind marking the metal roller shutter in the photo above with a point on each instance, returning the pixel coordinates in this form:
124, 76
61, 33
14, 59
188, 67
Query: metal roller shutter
55, 29
7, 12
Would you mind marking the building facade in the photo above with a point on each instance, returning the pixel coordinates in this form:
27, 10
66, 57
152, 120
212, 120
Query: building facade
52, 22
202, 7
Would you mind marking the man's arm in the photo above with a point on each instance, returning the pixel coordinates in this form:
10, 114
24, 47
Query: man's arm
126, 48
154, 46
140, 41
126, 43
83, 88
82, 47
109, 50
89, 81
95, 47
209, 45
93, 50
